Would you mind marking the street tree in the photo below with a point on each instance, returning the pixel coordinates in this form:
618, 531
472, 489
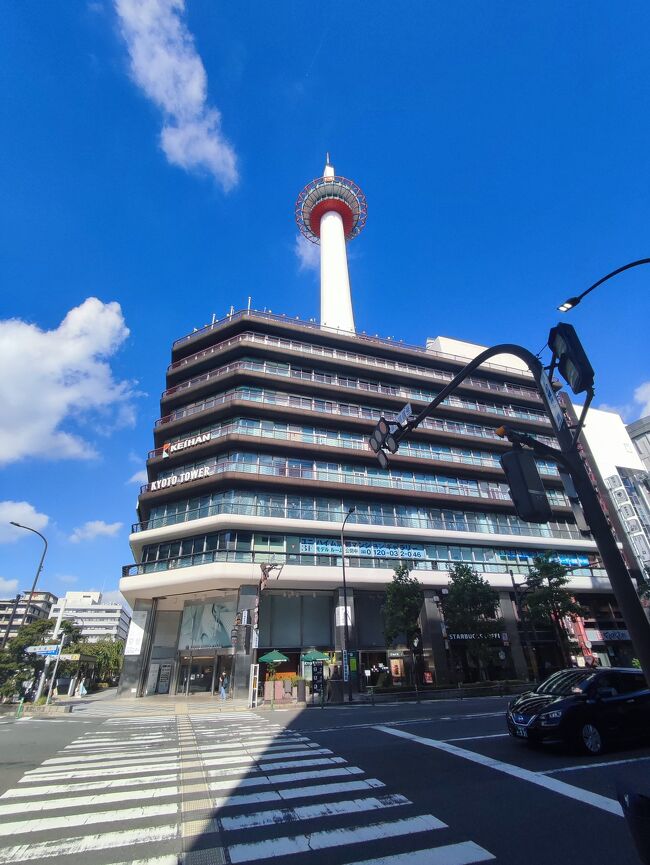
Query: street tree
548, 602
17, 666
402, 606
108, 654
471, 607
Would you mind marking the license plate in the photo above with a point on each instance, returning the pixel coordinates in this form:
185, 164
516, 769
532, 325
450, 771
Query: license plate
521, 731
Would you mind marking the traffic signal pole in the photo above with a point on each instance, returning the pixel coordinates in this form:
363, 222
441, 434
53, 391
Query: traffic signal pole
570, 459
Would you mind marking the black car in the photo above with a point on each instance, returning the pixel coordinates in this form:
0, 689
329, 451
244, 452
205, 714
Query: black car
586, 708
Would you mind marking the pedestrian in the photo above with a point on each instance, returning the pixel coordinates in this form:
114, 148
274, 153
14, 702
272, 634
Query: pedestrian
223, 685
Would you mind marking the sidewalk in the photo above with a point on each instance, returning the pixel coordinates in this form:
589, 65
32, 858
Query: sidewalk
109, 704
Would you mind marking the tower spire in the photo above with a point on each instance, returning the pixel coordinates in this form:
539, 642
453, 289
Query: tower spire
330, 211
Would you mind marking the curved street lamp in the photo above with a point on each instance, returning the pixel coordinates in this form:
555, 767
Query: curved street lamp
38, 570
346, 633
574, 301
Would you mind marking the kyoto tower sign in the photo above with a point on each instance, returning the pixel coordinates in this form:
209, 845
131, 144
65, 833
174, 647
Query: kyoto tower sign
332, 210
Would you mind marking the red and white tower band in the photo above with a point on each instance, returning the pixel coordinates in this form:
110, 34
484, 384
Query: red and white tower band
330, 211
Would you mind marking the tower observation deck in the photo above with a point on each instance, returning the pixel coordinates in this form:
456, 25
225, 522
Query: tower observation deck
330, 211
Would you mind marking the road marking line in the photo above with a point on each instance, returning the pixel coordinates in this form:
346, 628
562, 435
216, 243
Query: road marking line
474, 738
265, 781
246, 771
166, 767
594, 765
578, 793
296, 793
169, 859
451, 854
332, 838
104, 759
99, 784
311, 812
99, 799
87, 843
88, 819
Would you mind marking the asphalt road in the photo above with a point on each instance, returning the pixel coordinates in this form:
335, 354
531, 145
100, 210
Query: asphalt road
431, 784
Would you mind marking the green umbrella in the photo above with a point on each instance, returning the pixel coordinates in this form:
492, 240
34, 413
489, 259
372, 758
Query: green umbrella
314, 655
273, 657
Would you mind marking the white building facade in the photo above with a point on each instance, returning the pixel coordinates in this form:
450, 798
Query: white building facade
98, 621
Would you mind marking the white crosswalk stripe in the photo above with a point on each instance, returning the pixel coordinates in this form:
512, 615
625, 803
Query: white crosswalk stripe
271, 793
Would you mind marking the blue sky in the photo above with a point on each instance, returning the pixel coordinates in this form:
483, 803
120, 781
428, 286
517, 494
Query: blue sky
152, 152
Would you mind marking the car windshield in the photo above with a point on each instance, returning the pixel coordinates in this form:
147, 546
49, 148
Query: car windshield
566, 682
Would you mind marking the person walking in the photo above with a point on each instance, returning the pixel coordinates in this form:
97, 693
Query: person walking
223, 685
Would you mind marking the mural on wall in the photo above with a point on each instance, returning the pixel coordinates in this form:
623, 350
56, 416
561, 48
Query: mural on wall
207, 625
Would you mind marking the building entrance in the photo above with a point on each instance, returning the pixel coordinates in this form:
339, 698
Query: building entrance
200, 674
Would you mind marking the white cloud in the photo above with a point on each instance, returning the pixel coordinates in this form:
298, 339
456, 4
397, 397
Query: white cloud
629, 411
19, 512
52, 378
167, 67
642, 398
93, 529
68, 579
8, 587
139, 478
307, 253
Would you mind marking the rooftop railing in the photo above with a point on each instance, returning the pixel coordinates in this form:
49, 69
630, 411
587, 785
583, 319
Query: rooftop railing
378, 363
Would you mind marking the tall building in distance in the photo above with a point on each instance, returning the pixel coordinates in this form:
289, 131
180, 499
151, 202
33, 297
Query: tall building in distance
14, 612
260, 452
97, 620
639, 432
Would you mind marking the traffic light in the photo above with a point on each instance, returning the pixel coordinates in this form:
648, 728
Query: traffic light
382, 437
526, 487
572, 362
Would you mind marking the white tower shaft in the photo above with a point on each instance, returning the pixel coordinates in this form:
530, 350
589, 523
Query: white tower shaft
335, 294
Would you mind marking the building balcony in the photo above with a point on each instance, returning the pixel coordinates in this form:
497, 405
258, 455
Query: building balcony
204, 338
323, 408
323, 560
196, 481
420, 454
279, 514
330, 385
337, 358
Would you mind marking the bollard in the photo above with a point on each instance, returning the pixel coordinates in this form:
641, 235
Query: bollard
19, 708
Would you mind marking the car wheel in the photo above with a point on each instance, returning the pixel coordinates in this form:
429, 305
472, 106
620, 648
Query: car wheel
590, 739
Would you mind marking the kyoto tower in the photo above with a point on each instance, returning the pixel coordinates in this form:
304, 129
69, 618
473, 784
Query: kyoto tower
330, 211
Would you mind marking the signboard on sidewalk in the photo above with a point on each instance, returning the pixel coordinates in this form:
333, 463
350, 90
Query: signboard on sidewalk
136, 633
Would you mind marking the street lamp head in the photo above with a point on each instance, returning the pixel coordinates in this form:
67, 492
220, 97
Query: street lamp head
352, 509
12, 523
569, 304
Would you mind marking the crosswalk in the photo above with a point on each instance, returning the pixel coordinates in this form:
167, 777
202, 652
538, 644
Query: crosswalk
226, 787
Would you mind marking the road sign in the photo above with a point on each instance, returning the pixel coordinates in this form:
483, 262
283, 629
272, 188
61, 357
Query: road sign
317, 677
551, 401
346, 667
42, 650
405, 414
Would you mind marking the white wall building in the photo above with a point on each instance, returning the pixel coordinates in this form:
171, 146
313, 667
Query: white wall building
625, 476
97, 621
